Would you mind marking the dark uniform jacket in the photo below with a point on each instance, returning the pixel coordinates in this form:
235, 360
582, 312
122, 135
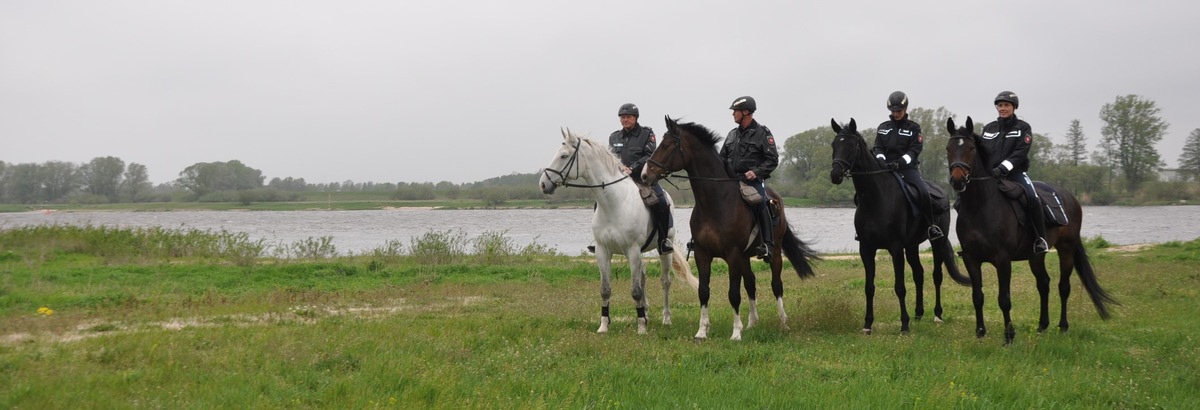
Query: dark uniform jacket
750, 149
895, 139
1007, 139
633, 146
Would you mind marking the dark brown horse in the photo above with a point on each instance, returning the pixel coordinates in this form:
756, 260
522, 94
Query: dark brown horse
883, 220
990, 230
723, 224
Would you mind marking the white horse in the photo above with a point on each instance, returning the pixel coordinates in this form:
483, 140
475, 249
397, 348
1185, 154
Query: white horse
621, 223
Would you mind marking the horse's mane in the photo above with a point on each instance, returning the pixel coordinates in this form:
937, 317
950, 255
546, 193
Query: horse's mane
601, 152
701, 133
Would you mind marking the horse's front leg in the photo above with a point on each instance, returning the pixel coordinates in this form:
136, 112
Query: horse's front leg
918, 274
704, 267
637, 275
868, 260
665, 260
738, 271
975, 271
604, 261
899, 287
1004, 280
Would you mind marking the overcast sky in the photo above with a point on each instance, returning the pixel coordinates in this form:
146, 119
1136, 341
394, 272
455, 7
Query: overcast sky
461, 91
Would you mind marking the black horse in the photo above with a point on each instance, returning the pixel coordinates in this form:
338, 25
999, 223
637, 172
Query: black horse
990, 230
722, 224
884, 220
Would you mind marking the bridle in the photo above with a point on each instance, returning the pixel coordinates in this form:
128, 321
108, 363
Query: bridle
847, 165
965, 166
573, 164
679, 149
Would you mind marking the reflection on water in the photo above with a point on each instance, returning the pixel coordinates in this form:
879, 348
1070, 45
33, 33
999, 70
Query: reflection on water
828, 230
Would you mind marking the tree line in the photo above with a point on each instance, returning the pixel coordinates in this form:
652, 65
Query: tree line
1123, 166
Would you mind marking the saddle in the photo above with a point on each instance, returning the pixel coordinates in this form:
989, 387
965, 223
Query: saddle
647, 193
1051, 204
937, 196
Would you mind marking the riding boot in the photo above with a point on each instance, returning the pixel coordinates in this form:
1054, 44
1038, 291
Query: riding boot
1038, 219
935, 232
764, 230
662, 222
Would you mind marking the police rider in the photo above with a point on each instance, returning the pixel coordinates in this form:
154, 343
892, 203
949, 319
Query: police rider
634, 143
898, 143
749, 154
1005, 145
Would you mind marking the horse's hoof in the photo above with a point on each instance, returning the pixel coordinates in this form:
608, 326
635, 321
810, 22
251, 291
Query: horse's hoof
735, 337
980, 333
666, 321
699, 339
937, 319
904, 332
866, 331
917, 316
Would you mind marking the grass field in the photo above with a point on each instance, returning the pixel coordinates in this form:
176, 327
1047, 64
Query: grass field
88, 325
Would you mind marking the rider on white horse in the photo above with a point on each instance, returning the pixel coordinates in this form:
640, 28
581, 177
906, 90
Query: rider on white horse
633, 144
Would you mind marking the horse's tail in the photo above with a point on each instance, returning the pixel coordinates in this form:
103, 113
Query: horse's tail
1087, 275
799, 253
945, 252
682, 270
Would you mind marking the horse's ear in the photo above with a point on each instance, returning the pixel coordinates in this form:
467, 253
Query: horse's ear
564, 132
837, 129
671, 124
970, 126
950, 126
852, 125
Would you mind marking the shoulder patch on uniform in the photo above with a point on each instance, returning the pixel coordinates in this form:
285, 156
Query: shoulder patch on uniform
1028, 139
652, 137
771, 140
920, 138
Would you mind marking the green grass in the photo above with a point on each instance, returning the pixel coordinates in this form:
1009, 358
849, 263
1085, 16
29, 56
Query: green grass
516, 329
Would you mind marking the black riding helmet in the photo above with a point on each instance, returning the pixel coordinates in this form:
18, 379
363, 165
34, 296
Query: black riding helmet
628, 109
1009, 96
744, 103
897, 101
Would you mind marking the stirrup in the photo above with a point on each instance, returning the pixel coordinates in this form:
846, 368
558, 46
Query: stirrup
1040, 246
664, 247
592, 248
763, 251
935, 232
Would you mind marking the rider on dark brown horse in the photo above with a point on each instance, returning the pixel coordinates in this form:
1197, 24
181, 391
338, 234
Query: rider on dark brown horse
749, 153
634, 143
898, 143
1005, 145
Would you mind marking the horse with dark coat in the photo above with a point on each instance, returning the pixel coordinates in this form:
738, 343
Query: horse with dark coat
885, 219
722, 224
991, 229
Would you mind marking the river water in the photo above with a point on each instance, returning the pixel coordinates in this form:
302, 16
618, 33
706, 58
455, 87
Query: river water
827, 230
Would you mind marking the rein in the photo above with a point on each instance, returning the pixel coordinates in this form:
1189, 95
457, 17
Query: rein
572, 163
679, 149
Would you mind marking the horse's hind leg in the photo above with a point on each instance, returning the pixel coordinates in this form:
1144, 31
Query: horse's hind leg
704, 268
1066, 264
918, 275
937, 285
665, 260
777, 288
